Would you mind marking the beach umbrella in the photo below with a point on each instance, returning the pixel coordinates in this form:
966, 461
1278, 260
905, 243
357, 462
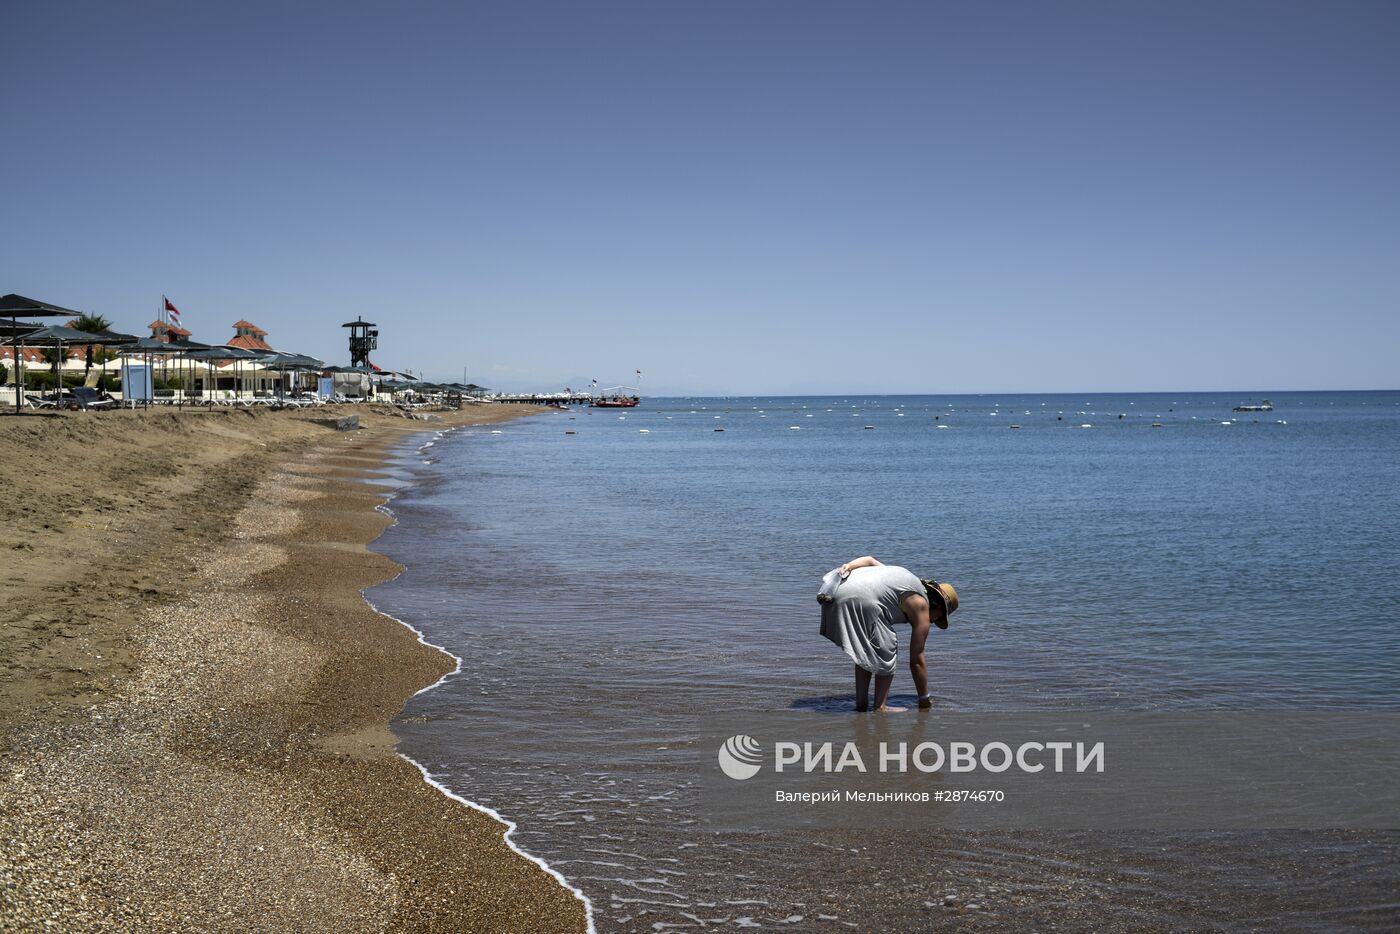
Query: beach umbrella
168, 351
58, 336
224, 352
14, 307
182, 349
286, 362
115, 337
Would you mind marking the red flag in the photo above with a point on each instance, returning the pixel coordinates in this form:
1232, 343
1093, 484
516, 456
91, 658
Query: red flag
174, 312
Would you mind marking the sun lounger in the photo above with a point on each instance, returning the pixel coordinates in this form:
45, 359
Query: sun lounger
90, 399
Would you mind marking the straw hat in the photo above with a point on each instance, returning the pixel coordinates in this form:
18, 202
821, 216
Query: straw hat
944, 594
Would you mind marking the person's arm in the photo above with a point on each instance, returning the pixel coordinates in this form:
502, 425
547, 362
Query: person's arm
918, 611
865, 562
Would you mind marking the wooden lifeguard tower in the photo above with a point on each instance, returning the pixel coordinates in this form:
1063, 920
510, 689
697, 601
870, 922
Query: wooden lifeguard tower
364, 337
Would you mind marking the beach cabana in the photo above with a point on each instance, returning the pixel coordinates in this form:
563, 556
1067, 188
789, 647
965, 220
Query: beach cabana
180, 350
14, 307
59, 336
209, 355
145, 348
284, 362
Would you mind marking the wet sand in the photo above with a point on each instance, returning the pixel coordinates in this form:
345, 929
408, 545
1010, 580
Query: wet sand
194, 697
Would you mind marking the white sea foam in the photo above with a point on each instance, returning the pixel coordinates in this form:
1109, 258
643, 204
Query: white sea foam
510, 825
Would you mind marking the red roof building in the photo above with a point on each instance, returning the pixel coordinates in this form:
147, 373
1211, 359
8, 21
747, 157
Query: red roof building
165, 331
30, 355
249, 336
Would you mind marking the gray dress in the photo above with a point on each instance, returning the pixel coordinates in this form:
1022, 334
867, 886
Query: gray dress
858, 613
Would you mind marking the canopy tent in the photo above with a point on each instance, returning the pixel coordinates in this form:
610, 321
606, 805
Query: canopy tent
14, 307
117, 339
17, 306
170, 352
224, 352
58, 336
284, 362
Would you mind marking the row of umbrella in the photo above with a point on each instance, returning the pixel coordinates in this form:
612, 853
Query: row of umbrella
24, 334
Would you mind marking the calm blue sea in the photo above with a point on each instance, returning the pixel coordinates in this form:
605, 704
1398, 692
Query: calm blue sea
1126, 552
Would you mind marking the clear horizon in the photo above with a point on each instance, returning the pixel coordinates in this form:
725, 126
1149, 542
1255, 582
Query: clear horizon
735, 199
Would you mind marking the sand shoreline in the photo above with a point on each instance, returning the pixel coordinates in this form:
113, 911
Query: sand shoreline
196, 695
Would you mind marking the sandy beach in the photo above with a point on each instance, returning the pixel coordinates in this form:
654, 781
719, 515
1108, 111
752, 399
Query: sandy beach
194, 696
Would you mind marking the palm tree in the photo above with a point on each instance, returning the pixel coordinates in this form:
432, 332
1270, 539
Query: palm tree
93, 324
53, 356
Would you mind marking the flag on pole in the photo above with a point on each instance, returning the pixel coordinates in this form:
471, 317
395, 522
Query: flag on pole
174, 312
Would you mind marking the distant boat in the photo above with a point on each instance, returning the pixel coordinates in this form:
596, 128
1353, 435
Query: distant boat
619, 397
1265, 406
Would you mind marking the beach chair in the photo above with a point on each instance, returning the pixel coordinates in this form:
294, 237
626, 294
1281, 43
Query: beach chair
90, 399
39, 401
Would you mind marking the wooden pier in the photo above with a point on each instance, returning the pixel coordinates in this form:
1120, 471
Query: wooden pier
548, 398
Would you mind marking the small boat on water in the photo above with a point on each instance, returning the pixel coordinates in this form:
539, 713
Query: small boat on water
1265, 406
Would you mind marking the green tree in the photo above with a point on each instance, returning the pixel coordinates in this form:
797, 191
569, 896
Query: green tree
53, 356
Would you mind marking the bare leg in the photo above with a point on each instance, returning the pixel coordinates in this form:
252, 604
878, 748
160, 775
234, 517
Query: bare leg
862, 690
882, 685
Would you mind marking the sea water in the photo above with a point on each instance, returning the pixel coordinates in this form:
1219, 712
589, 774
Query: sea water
607, 588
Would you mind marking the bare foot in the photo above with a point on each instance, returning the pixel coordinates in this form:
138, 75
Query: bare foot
890, 709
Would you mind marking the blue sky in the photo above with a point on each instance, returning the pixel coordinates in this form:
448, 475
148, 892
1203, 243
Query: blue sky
761, 197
